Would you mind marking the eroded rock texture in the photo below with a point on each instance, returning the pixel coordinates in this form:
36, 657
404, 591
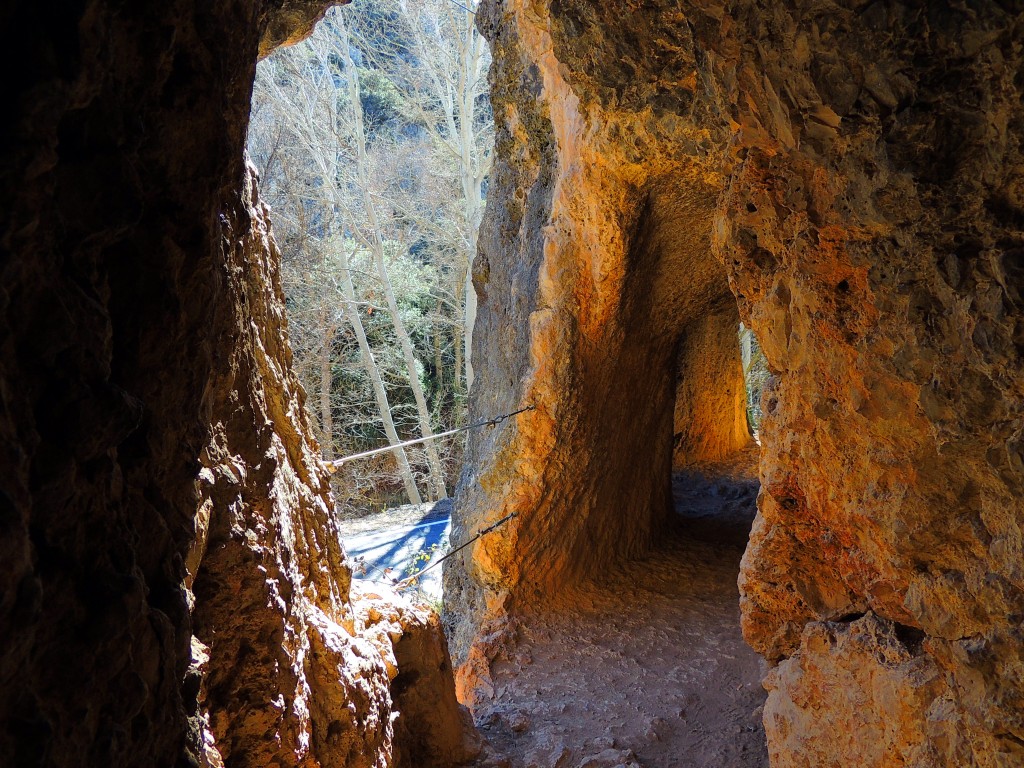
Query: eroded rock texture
297, 675
145, 375
288, 682
851, 177
432, 729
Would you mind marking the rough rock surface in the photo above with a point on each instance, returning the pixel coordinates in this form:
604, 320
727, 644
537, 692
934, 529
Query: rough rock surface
888, 684
854, 171
121, 169
432, 730
289, 680
145, 375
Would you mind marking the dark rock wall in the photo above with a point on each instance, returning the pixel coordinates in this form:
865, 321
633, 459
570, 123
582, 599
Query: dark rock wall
121, 165
143, 348
861, 170
158, 478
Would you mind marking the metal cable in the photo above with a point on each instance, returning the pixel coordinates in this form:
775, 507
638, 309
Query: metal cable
488, 529
333, 465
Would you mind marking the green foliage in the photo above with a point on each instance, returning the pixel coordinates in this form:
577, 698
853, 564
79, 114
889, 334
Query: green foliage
756, 375
381, 100
422, 559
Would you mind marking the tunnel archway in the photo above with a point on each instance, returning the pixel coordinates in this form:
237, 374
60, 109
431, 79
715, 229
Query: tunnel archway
651, 382
659, 388
853, 206
627, 545
885, 167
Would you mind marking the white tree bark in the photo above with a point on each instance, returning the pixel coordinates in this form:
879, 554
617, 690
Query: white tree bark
377, 246
440, 70
453, 64
745, 347
326, 382
315, 124
373, 371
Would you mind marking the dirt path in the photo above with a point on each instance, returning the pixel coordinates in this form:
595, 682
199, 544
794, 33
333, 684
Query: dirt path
648, 670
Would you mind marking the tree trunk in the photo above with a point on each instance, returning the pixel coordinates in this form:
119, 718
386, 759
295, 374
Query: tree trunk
365, 353
457, 333
469, 60
745, 350
370, 365
377, 242
438, 358
326, 379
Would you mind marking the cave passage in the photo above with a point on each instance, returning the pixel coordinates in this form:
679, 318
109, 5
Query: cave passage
634, 652
649, 667
661, 390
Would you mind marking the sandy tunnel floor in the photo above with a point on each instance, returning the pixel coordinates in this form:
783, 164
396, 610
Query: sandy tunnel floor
649, 668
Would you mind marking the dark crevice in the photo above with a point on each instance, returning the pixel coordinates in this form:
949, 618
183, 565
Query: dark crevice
911, 637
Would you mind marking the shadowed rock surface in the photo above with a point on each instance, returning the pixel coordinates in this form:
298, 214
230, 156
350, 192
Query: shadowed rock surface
158, 477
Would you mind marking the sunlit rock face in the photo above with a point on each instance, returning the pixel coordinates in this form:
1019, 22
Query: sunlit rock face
289, 679
850, 177
172, 586
595, 271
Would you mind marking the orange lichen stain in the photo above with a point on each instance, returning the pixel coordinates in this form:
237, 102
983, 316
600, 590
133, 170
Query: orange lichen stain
490, 556
822, 189
538, 435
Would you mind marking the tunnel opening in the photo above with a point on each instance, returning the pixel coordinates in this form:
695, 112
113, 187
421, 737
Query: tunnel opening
140, 336
627, 636
677, 392
659, 392
373, 138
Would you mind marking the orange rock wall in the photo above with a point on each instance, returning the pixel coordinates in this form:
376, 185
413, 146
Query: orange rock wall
855, 172
710, 415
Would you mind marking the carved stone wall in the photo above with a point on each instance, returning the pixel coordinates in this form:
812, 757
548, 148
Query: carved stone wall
855, 172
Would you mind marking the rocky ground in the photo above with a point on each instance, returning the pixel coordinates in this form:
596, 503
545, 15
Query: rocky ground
646, 668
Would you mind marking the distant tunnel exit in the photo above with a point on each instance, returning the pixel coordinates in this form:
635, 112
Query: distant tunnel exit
710, 416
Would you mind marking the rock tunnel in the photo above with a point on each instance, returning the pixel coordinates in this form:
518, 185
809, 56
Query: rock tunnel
662, 351
803, 155
847, 179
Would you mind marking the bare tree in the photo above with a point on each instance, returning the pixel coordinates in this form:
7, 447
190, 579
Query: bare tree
440, 65
375, 141
374, 238
299, 89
